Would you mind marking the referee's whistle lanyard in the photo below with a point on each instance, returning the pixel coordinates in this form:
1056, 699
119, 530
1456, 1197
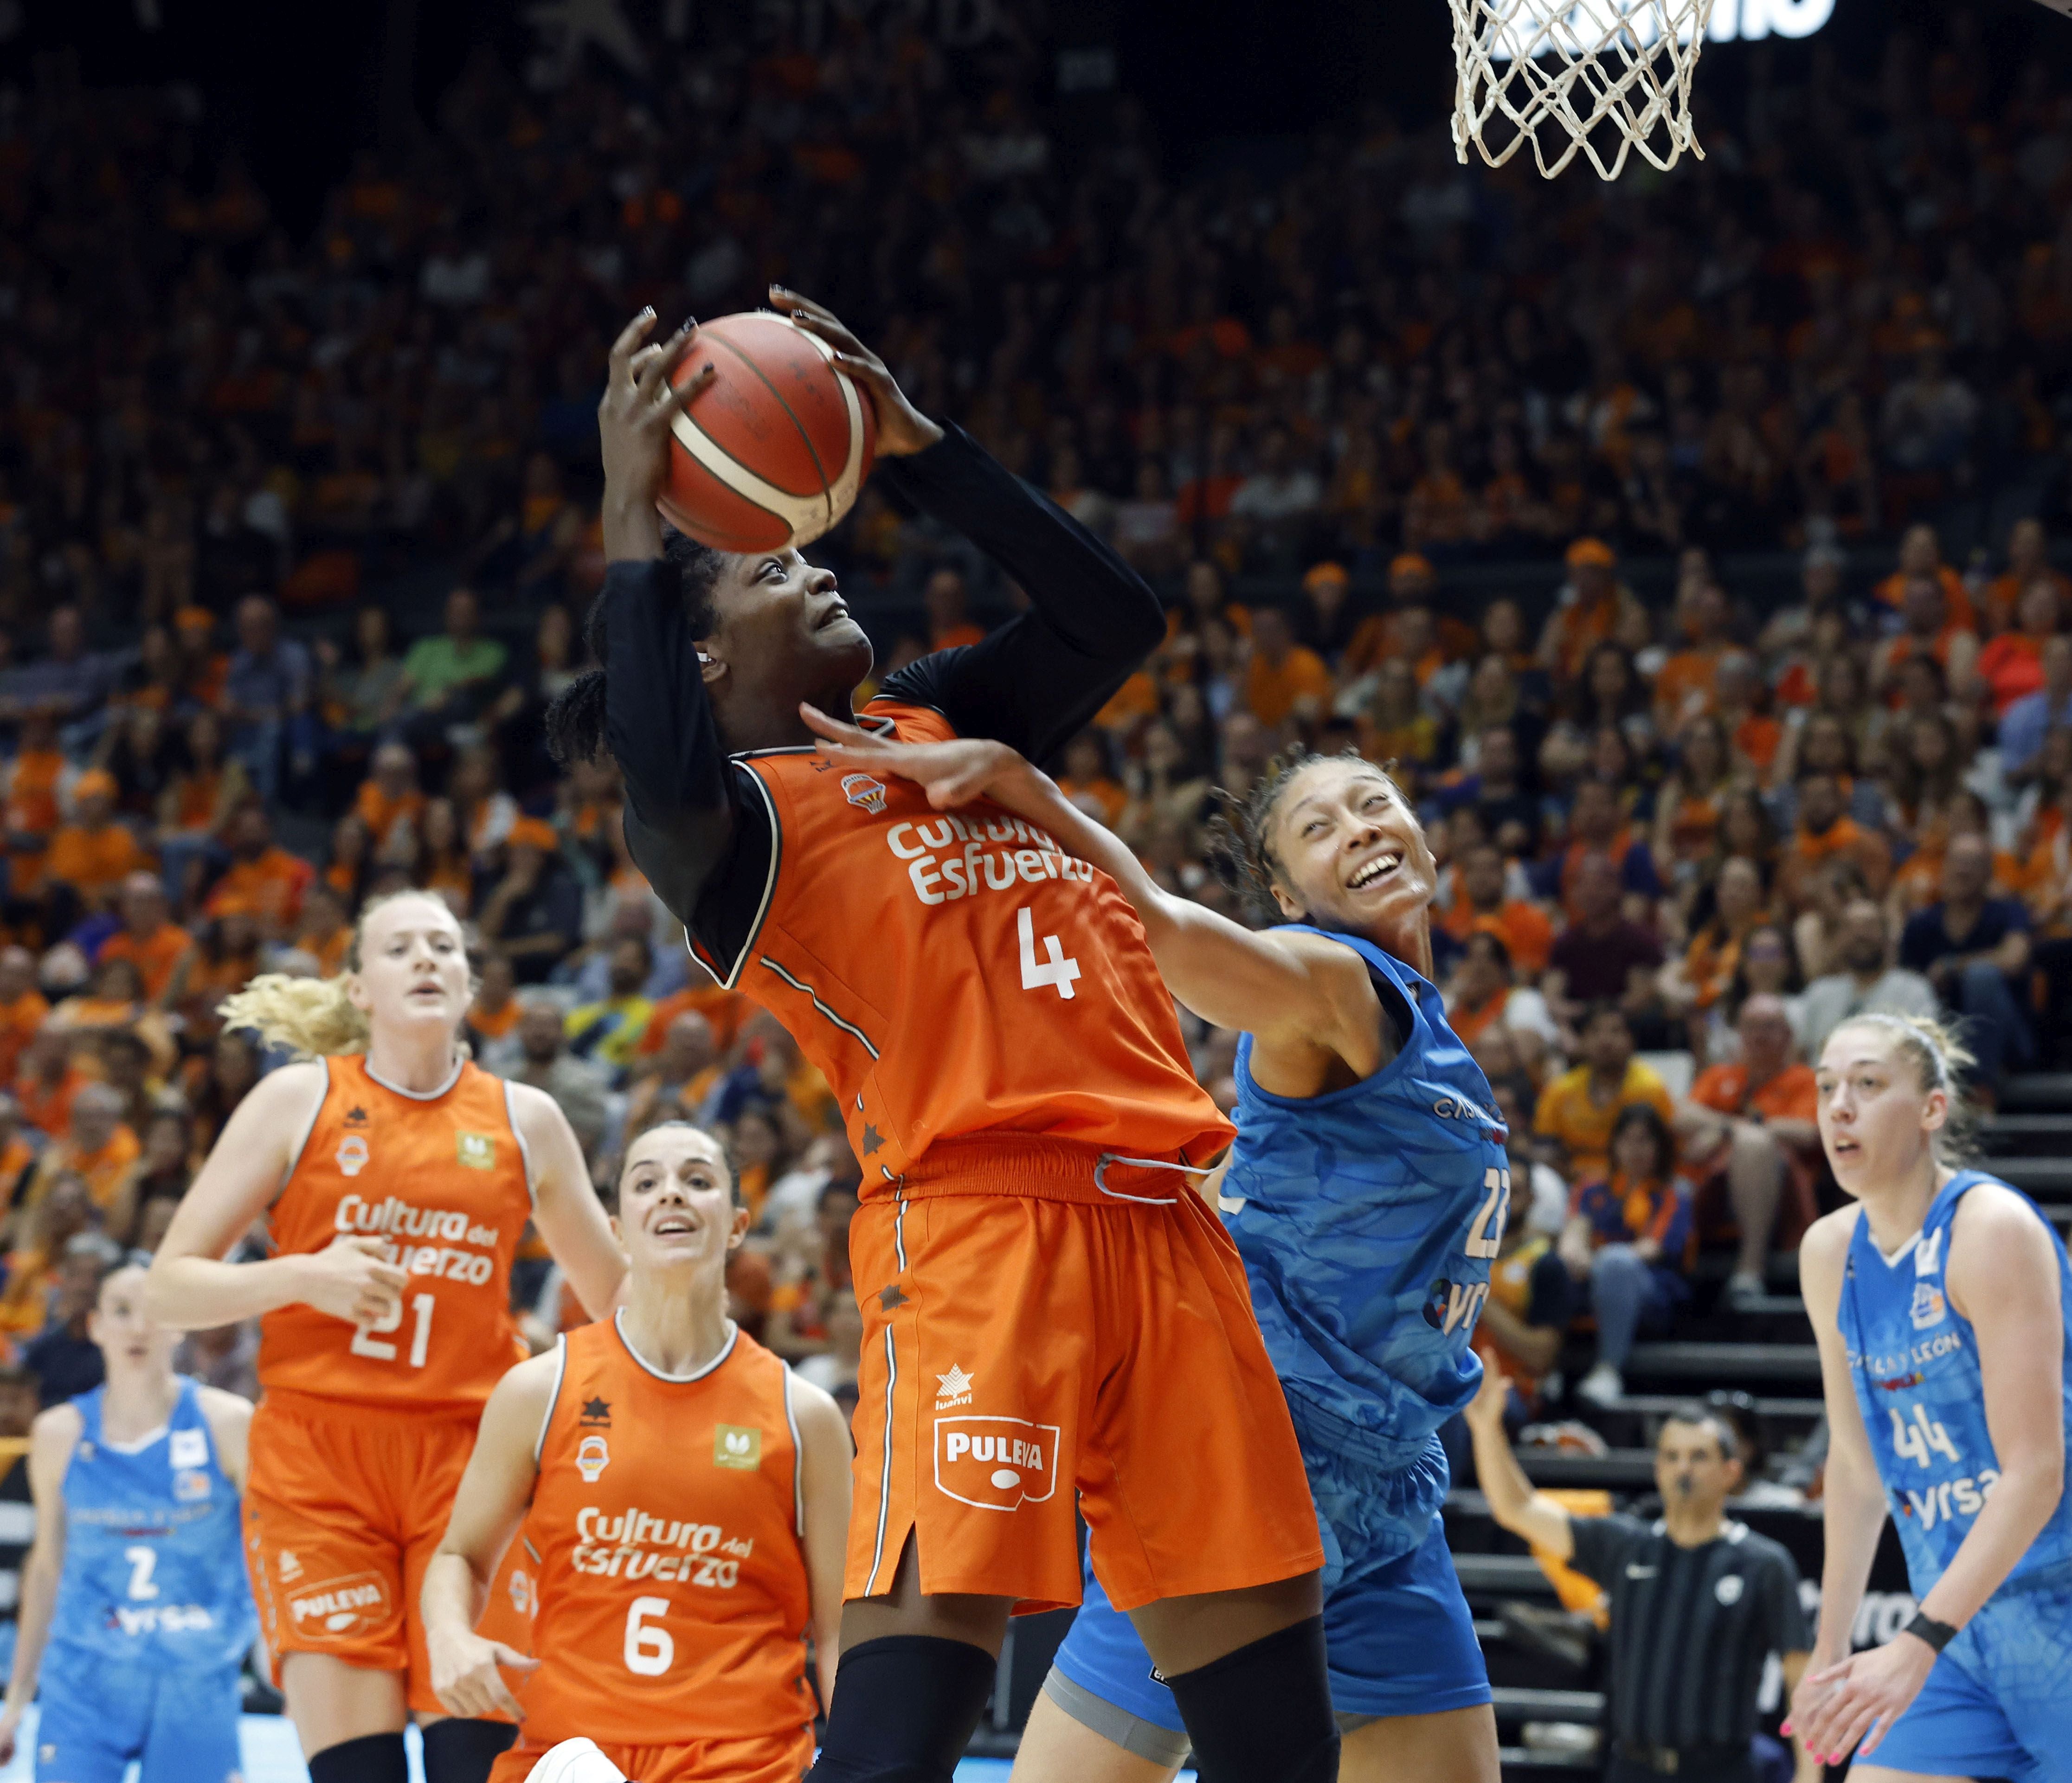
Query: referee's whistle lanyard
1107, 1158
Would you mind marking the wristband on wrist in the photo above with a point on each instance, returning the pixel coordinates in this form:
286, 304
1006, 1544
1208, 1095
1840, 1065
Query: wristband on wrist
1924, 1627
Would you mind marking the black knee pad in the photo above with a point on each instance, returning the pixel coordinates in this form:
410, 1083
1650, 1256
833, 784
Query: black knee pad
1263, 1714
458, 1750
372, 1758
904, 1709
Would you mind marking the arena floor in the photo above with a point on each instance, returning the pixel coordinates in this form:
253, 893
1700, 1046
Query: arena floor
271, 1756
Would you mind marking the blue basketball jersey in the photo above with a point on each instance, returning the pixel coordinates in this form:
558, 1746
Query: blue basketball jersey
155, 1561
1368, 1218
1914, 1359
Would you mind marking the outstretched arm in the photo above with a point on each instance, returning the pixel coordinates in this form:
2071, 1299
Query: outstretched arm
1284, 988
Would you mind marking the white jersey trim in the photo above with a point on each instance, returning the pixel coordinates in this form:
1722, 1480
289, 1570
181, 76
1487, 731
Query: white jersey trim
518, 1133
460, 1064
309, 1126
725, 1350
554, 1399
798, 1460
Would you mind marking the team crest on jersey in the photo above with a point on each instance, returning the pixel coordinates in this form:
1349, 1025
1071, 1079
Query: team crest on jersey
189, 1486
1728, 1589
996, 1463
1928, 1255
735, 1445
352, 1153
188, 1448
475, 1151
861, 790
593, 1457
1928, 1307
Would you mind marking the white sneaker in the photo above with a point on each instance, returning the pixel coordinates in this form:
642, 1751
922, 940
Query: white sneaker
1602, 1385
1745, 1292
575, 1762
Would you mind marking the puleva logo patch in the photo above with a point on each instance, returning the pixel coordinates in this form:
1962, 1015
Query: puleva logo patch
996, 1464
593, 1457
860, 789
476, 1151
349, 1605
735, 1445
352, 1153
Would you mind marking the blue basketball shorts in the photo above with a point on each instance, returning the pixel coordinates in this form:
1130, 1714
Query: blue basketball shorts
1399, 1638
1995, 1703
95, 1716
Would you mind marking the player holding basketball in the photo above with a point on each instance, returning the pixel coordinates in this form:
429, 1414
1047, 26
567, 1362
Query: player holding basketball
135, 1615
1367, 1191
1941, 1301
689, 1503
396, 1179
1047, 1309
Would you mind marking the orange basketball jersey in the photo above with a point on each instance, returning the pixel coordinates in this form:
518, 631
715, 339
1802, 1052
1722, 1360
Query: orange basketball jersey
958, 973
443, 1180
672, 1597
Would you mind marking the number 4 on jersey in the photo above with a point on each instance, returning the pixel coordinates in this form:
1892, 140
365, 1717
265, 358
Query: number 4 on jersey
1057, 971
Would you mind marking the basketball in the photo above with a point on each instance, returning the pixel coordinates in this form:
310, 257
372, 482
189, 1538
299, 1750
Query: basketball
773, 452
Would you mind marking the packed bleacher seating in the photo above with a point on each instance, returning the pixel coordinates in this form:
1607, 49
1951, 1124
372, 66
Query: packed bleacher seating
1691, 547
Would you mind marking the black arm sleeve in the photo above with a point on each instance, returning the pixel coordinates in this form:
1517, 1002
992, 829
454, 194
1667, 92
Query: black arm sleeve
1601, 1545
692, 825
1040, 678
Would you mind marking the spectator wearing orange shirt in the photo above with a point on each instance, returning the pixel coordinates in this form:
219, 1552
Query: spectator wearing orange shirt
1753, 736
162, 952
1692, 985
1683, 685
98, 1148
492, 1019
1921, 558
949, 625
264, 880
1588, 611
17, 1157
2028, 562
94, 853
1930, 627
2011, 666
1752, 1127
324, 934
389, 798
50, 1079
1481, 906
1088, 782
31, 786
22, 1008
1284, 679
1824, 835
725, 1010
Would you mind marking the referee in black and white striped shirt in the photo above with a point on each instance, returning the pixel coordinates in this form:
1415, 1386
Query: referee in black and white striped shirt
1698, 1602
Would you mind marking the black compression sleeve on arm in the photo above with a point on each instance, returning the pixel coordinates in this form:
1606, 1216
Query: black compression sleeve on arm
1263, 1714
1043, 675
680, 788
904, 1708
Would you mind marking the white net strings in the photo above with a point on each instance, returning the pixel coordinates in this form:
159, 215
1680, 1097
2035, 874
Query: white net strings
1573, 73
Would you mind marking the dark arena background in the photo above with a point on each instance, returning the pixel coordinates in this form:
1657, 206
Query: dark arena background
1717, 522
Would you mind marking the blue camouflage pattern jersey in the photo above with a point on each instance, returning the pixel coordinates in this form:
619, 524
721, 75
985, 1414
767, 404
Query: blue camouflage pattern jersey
1368, 1218
1915, 1360
154, 1553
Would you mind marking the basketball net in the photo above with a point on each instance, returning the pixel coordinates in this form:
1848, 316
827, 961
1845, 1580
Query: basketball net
1594, 77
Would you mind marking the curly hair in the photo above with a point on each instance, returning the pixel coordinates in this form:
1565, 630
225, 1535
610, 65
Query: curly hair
1241, 834
575, 718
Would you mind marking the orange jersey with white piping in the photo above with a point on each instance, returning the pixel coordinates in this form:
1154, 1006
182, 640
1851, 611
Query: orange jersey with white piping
666, 1526
958, 974
443, 1181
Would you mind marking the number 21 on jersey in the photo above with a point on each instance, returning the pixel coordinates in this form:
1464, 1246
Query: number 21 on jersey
366, 1339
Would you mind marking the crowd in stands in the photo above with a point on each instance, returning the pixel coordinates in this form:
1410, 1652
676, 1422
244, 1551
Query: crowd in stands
1681, 837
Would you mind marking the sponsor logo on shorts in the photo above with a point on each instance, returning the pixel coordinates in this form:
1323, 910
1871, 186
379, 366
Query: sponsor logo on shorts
593, 1457
953, 1389
1729, 1588
352, 1153
996, 1463
861, 790
339, 1607
290, 1563
1929, 1308
735, 1445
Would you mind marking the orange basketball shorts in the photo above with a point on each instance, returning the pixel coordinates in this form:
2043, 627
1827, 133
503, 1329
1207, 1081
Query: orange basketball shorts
1017, 1349
344, 1506
779, 1758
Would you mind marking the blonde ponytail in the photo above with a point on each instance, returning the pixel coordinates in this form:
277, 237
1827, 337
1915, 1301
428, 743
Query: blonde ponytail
310, 1016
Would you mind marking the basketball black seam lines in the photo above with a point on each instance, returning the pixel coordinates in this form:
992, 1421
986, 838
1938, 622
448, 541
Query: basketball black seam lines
827, 488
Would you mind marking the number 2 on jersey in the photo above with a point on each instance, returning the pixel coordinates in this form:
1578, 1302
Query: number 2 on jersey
1486, 1235
366, 1338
